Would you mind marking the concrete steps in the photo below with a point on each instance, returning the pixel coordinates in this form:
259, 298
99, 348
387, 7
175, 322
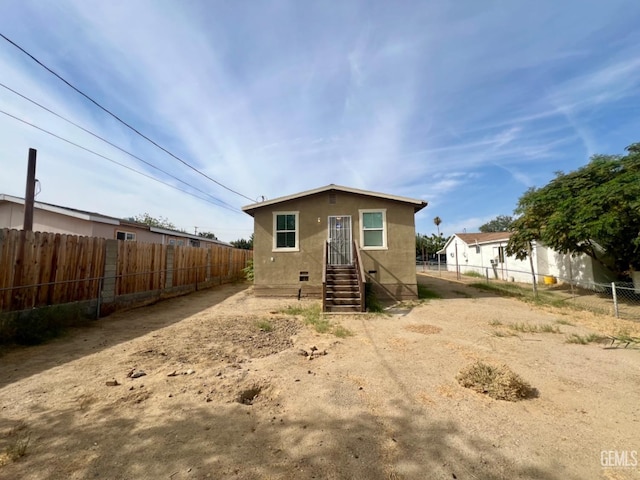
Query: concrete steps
343, 289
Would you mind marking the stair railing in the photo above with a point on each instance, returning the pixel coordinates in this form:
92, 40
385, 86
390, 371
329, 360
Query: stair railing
325, 257
360, 274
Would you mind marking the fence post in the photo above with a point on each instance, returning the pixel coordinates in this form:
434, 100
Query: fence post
486, 271
207, 272
99, 299
615, 299
108, 292
168, 279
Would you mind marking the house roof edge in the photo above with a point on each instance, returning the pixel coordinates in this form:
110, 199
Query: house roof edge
418, 204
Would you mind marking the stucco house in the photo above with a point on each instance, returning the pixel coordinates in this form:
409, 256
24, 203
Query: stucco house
485, 253
71, 221
329, 241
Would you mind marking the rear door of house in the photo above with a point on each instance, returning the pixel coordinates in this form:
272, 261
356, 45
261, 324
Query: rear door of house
340, 250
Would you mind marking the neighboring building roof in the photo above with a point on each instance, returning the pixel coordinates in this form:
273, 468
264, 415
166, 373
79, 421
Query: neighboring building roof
99, 218
417, 204
490, 237
477, 238
70, 212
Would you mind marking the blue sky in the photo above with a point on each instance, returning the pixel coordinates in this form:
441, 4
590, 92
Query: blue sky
464, 104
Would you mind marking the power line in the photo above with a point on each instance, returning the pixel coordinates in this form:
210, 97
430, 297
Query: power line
112, 144
114, 161
120, 120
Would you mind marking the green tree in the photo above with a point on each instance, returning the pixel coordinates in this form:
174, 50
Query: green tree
160, 222
594, 210
429, 244
502, 223
244, 244
420, 244
209, 235
437, 221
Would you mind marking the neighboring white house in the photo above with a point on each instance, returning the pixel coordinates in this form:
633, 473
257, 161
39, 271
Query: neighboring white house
485, 253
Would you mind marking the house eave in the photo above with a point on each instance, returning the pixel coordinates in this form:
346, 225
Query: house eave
417, 204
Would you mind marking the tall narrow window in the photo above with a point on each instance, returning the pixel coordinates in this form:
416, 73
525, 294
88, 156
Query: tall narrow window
285, 231
373, 234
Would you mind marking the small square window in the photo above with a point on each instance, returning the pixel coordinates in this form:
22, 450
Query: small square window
126, 236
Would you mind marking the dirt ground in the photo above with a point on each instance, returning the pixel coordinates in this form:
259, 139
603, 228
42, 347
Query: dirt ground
224, 398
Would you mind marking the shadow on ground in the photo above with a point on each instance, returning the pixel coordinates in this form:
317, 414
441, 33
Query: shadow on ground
236, 441
451, 289
109, 331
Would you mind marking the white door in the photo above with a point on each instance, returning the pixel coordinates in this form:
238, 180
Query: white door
340, 248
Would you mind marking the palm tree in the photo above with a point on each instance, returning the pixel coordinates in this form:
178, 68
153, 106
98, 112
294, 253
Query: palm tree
437, 221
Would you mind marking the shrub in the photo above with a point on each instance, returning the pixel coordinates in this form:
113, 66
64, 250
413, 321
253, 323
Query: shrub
248, 270
497, 381
371, 299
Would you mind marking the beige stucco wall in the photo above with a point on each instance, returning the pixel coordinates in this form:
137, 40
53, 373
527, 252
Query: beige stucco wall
392, 271
12, 216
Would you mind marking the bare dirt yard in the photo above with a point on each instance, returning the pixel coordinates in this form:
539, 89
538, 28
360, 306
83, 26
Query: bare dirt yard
227, 393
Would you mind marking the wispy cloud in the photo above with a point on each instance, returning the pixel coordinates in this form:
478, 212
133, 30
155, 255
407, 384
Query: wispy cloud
461, 105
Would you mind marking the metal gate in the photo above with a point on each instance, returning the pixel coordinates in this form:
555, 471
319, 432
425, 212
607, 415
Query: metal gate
340, 251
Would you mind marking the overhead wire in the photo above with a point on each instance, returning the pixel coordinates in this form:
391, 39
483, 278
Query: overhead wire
116, 162
111, 143
116, 117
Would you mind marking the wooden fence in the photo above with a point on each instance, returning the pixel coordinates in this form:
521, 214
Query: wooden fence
39, 268
140, 267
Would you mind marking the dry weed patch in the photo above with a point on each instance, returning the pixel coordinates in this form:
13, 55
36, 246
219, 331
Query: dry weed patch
18, 439
497, 381
424, 329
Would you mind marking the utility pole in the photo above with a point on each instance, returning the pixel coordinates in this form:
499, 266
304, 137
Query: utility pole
196, 230
29, 196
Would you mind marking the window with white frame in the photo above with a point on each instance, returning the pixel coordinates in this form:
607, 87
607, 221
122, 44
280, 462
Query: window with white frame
126, 236
373, 229
285, 231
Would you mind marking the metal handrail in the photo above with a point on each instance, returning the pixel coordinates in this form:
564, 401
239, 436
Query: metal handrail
324, 276
360, 274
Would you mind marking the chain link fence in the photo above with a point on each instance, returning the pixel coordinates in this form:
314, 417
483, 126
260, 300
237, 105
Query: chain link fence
619, 299
87, 299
